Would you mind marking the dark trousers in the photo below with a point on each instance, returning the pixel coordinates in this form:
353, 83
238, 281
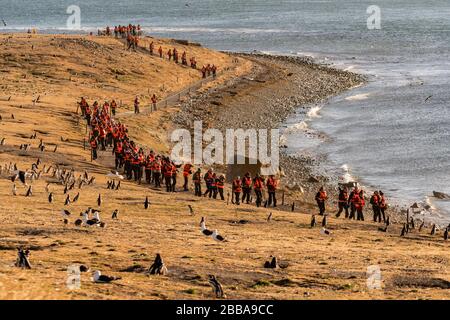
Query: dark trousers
148, 175
376, 213
94, 153
209, 191
342, 207
360, 214
246, 195
186, 182
321, 205
198, 189
382, 214
157, 179
272, 199
168, 182
237, 198
220, 190
258, 194
352, 211
174, 182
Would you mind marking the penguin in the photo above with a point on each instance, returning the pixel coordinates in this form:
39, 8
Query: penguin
113, 185
433, 230
324, 221
269, 217
75, 199
158, 267
14, 190
115, 214
146, 203
67, 202
413, 226
56, 148
446, 234
66, 189
403, 233
50, 197
273, 263
99, 200
78, 222
108, 185
217, 287
421, 225
191, 210
265, 204
293, 206
313, 221
118, 186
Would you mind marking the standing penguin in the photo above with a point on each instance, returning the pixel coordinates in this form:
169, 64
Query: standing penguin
99, 200
324, 221
313, 221
433, 230
146, 203
50, 197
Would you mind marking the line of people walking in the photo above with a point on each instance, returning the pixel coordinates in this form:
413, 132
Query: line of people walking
353, 204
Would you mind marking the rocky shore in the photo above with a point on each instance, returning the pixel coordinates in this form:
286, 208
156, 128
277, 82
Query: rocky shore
275, 88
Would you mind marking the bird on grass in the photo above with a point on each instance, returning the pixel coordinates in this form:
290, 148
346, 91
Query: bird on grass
98, 277
146, 203
205, 231
217, 287
191, 210
115, 214
158, 267
216, 236
313, 221
325, 232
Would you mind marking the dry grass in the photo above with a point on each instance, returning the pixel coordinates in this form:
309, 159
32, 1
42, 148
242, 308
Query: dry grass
319, 267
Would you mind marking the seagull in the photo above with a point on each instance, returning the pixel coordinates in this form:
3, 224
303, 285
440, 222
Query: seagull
217, 287
428, 98
191, 210
325, 232
146, 203
205, 231
114, 175
98, 277
65, 213
216, 236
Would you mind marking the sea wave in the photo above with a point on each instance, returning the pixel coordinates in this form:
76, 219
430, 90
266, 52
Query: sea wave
357, 97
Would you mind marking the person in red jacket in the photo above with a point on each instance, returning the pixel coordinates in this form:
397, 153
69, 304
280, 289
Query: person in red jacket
246, 187
360, 206
321, 198
187, 171
220, 184
375, 202
342, 202
258, 187
272, 185
94, 146
237, 189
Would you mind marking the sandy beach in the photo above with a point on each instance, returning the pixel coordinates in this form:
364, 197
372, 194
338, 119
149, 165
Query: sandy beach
42, 78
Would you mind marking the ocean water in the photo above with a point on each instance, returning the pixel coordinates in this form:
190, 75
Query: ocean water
392, 133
